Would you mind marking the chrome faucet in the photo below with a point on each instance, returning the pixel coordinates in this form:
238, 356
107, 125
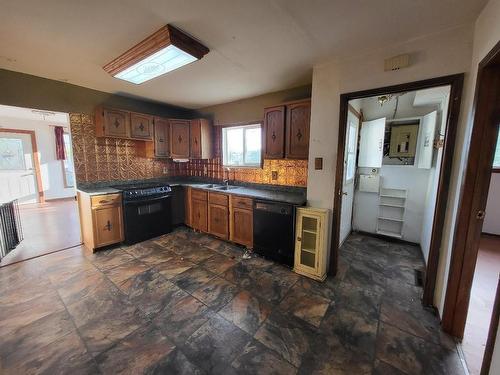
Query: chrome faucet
225, 182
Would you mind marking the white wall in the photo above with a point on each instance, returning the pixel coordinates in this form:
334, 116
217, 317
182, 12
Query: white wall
50, 168
492, 220
448, 52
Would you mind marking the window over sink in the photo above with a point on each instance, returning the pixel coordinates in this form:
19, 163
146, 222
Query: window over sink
241, 146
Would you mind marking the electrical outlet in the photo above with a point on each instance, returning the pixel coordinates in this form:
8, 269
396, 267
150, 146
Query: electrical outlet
274, 175
164, 170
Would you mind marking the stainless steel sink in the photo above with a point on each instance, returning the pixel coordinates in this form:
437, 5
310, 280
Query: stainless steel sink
211, 186
226, 187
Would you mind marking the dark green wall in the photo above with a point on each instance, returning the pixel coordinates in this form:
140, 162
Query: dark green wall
24, 90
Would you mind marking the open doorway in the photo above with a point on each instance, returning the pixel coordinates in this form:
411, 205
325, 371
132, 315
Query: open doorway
401, 161
38, 183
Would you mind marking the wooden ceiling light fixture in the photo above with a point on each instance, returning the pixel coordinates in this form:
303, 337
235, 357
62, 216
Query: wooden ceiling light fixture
167, 49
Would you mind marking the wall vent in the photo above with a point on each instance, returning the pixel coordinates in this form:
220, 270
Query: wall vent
396, 62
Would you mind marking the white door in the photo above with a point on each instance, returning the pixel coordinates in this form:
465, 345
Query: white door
17, 172
426, 140
371, 144
351, 144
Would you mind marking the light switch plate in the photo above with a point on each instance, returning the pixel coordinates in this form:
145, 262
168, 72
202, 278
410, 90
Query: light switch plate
318, 164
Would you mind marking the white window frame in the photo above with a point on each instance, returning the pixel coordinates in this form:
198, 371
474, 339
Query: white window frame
225, 146
63, 162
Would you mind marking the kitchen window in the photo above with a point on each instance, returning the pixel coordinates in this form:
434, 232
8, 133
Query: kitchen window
241, 146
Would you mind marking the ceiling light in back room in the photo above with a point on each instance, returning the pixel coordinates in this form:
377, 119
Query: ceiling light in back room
167, 49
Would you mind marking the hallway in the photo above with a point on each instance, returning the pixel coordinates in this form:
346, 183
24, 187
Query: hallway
47, 227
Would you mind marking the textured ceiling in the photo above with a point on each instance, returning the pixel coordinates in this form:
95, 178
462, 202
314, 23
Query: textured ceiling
256, 46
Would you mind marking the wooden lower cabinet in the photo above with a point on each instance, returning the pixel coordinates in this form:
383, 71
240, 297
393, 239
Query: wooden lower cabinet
218, 223
242, 226
199, 215
101, 219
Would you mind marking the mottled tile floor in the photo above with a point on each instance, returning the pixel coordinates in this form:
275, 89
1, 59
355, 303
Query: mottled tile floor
187, 303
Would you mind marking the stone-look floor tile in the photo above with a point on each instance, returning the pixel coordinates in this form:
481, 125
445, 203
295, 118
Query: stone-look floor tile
227, 249
324, 289
363, 277
219, 263
197, 253
242, 275
287, 336
414, 355
140, 352
216, 293
258, 359
173, 267
158, 257
15, 314
193, 278
66, 355
353, 330
143, 249
272, 288
407, 295
82, 285
259, 263
151, 293
176, 363
305, 305
359, 299
382, 368
215, 345
119, 274
246, 311
107, 259
411, 319
183, 318
34, 336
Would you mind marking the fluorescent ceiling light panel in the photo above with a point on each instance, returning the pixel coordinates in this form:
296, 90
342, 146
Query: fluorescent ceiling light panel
166, 50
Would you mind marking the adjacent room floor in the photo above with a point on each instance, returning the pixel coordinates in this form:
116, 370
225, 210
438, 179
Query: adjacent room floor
47, 227
187, 303
481, 302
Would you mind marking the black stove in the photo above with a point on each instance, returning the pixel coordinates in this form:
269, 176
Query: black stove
142, 191
147, 210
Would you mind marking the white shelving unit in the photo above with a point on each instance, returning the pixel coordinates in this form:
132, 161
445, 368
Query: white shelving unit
391, 212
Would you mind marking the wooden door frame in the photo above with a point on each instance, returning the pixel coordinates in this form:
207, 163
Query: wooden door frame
36, 159
474, 193
455, 82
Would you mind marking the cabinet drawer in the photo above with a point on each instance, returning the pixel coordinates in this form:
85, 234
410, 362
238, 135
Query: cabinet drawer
241, 202
106, 200
199, 194
218, 198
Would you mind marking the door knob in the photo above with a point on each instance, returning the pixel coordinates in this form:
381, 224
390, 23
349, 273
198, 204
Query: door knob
480, 215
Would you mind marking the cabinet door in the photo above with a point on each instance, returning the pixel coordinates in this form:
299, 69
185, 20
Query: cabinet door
179, 138
242, 226
308, 234
108, 225
218, 221
116, 123
161, 137
426, 140
298, 118
199, 212
195, 139
141, 126
274, 132
371, 145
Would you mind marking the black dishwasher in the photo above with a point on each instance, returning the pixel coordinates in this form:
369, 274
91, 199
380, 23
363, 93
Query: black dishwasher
273, 231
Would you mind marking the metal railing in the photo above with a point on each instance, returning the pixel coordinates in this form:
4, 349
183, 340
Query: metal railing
11, 233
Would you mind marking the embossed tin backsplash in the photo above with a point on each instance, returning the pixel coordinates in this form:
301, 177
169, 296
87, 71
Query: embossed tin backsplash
109, 159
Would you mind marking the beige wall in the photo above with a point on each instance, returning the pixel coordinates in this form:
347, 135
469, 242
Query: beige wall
252, 109
445, 53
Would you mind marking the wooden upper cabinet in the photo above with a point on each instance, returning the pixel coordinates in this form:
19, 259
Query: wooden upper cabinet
112, 123
274, 132
141, 126
201, 139
161, 137
179, 138
298, 117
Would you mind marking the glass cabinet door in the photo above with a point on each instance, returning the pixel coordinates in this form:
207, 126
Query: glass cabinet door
308, 241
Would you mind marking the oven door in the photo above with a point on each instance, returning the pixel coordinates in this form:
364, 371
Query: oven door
147, 218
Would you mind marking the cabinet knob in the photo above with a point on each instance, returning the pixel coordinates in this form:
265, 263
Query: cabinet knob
108, 226
299, 239
273, 136
299, 135
179, 139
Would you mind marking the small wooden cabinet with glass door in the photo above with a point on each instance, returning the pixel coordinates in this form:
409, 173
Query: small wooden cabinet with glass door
311, 242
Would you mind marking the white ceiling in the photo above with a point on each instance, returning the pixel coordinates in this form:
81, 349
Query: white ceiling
257, 46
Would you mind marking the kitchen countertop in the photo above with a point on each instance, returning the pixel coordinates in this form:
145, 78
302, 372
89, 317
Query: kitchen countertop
291, 195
